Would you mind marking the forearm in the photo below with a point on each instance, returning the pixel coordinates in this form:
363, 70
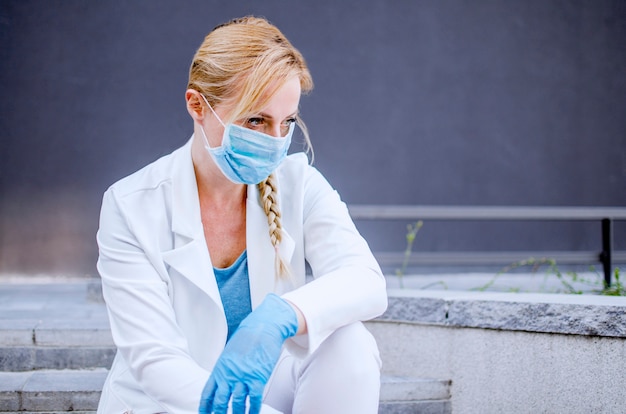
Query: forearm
302, 327
347, 295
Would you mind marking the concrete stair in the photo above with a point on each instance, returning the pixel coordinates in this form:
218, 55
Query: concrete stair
51, 390
56, 348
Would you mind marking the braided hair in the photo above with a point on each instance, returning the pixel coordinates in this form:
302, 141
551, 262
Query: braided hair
268, 191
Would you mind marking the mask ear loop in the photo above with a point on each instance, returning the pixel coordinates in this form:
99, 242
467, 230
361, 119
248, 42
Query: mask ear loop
206, 141
211, 108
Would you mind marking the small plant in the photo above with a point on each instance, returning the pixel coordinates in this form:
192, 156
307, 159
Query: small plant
412, 230
617, 289
567, 279
531, 262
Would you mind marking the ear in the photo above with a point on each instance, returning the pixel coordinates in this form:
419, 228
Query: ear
195, 104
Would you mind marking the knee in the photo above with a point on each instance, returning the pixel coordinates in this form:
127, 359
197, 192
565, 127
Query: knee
345, 369
354, 347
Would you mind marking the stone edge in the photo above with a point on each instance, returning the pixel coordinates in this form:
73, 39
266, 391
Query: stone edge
545, 313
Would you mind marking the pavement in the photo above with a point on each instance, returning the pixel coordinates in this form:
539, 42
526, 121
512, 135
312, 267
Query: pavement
53, 312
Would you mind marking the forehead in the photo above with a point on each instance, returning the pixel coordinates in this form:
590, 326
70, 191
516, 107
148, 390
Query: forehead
284, 101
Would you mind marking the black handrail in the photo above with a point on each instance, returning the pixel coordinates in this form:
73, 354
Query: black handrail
606, 215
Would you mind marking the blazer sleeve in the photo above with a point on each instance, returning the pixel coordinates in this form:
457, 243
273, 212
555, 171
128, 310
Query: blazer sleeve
143, 322
348, 283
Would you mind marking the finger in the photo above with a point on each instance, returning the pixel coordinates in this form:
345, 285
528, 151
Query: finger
220, 402
240, 393
255, 392
255, 405
208, 394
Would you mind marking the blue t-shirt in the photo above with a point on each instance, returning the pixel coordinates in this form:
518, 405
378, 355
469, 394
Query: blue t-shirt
234, 286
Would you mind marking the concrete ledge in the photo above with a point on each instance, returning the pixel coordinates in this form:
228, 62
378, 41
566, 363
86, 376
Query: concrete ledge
531, 312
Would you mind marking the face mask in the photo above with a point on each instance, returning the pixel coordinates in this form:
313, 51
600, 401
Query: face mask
247, 156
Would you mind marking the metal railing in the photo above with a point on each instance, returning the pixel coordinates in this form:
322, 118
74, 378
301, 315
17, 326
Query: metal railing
605, 215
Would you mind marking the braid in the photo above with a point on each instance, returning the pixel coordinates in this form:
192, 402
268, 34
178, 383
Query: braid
268, 192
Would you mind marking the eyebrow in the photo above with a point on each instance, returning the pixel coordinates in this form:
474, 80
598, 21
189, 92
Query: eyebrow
268, 116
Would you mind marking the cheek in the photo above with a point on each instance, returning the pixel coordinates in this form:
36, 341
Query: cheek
214, 134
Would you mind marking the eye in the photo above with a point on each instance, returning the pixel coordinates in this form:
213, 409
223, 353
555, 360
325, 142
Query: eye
287, 123
284, 128
255, 122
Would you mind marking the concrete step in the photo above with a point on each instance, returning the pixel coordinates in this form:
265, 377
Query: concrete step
29, 358
60, 391
51, 390
404, 395
27, 345
53, 326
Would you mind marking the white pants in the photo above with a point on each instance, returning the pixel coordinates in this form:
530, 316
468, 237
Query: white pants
341, 377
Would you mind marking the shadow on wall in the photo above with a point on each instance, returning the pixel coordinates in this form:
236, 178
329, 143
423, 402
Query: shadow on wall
448, 103
52, 233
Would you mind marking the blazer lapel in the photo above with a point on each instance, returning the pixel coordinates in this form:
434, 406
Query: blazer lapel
190, 256
192, 260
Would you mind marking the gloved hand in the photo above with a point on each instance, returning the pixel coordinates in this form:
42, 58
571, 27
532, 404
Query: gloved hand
249, 358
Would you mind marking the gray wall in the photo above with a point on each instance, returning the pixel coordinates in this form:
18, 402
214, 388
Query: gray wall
416, 102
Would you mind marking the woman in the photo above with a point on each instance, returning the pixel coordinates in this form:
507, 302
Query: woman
202, 255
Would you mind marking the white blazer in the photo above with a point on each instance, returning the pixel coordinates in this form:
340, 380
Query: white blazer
166, 314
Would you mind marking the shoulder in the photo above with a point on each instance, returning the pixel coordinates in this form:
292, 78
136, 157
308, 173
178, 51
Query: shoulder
142, 201
298, 180
150, 177
297, 170
296, 176
294, 163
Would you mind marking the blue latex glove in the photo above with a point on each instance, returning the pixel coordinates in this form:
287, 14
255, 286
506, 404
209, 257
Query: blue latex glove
249, 358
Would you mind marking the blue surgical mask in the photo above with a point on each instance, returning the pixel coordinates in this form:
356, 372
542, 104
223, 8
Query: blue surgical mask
247, 156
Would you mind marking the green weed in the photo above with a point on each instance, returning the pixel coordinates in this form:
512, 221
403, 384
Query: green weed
567, 280
412, 230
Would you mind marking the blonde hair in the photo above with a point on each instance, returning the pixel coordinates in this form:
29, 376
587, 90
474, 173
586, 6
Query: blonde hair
242, 64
